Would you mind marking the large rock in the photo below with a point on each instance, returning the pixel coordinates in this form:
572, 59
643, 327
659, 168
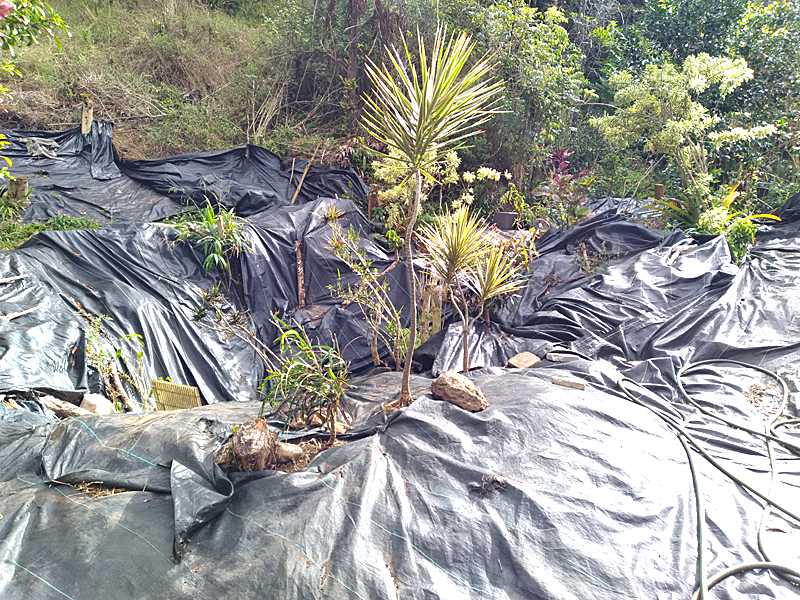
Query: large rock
97, 404
459, 390
524, 360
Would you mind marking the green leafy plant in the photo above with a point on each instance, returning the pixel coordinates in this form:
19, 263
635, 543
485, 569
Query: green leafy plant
738, 228
308, 378
420, 115
102, 354
371, 294
305, 378
216, 232
661, 108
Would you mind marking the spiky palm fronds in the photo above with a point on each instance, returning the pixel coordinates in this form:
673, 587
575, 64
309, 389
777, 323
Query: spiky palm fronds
455, 244
494, 276
421, 115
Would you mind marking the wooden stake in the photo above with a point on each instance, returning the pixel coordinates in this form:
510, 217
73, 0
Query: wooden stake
87, 116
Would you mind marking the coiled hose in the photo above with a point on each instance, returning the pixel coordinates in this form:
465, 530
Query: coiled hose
678, 421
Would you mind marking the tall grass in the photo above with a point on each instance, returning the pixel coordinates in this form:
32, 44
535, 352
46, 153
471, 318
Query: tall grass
192, 77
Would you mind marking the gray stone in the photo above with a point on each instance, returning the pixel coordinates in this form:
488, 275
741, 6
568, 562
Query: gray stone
459, 390
562, 357
524, 360
97, 404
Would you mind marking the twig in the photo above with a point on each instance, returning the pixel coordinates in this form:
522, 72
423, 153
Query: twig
10, 316
301, 279
11, 279
676, 253
305, 172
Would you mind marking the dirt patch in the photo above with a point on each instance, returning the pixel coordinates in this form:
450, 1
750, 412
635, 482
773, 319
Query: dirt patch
310, 449
766, 398
131, 143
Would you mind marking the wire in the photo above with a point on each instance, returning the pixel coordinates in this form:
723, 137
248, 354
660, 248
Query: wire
678, 421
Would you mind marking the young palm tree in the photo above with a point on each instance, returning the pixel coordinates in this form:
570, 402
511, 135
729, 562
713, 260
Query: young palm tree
420, 115
459, 252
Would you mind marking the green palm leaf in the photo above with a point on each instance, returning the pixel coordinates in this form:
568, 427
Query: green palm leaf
421, 115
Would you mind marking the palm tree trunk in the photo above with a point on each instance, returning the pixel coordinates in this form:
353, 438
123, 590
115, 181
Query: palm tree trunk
405, 390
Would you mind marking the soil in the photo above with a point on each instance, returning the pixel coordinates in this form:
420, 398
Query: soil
766, 398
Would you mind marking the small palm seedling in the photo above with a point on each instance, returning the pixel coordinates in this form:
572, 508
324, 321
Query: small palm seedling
474, 271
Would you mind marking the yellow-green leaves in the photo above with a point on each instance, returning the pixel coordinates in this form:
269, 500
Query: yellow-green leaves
421, 113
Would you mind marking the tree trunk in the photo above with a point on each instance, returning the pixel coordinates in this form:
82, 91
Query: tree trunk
465, 363
405, 391
354, 10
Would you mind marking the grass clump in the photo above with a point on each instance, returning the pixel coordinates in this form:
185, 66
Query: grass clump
14, 232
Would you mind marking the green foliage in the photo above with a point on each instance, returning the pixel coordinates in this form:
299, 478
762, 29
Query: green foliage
30, 21
14, 232
541, 68
371, 294
422, 115
685, 27
661, 109
308, 379
216, 232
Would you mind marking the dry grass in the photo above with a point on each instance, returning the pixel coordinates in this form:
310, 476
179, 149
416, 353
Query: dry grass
187, 77
95, 489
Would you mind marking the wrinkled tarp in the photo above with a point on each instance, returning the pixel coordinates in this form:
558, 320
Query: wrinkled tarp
85, 180
148, 286
592, 498
549, 493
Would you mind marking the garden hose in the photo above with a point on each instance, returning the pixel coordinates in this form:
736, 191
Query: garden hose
677, 420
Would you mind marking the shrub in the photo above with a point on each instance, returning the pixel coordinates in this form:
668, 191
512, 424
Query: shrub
308, 378
216, 232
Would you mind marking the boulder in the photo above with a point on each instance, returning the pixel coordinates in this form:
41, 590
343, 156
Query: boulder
97, 404
524, 360
457, 389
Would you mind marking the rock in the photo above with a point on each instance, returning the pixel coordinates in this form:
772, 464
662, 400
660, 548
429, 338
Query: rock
570, 383
97, 404
524, 360
562, 357
63, 409
457, 389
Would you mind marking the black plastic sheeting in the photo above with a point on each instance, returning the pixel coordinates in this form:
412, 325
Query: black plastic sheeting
592, 498
85, 180
549, 493
149, 285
